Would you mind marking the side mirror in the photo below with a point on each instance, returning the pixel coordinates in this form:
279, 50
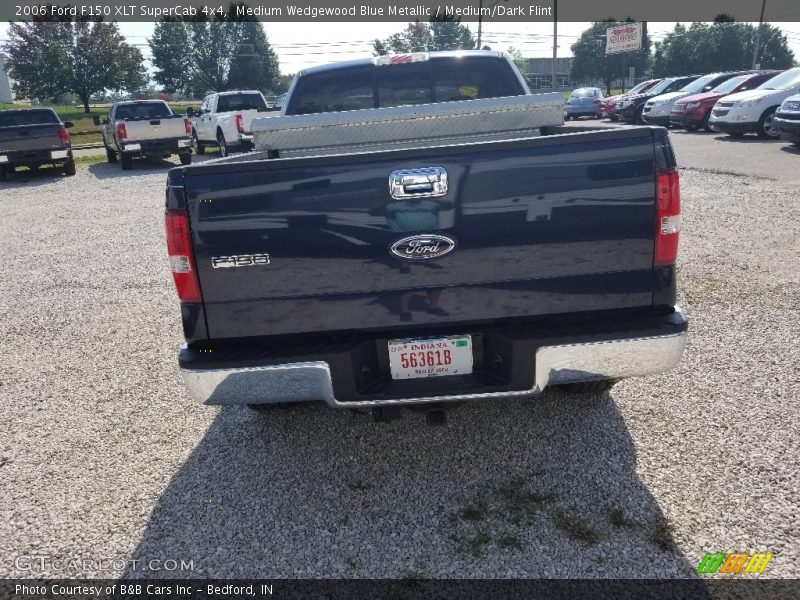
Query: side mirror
67, 124
96, 120
190, 112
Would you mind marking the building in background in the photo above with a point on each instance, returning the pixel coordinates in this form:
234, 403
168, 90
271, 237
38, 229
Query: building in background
6, 97
540, 73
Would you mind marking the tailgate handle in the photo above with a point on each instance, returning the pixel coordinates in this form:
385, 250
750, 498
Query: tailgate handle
429, 182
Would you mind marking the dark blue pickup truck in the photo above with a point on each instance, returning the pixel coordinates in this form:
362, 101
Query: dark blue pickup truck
430, 274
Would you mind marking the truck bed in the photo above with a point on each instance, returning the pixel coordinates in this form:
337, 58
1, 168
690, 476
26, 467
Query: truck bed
558, 224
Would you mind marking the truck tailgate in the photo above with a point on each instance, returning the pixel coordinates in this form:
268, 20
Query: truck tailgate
556, 224
30, 137
155, 129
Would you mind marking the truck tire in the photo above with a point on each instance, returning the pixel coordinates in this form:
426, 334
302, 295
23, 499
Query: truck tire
127, 161
69, 168
223, 145
111, 155
199, 148
588, 387
185, 158
766, 125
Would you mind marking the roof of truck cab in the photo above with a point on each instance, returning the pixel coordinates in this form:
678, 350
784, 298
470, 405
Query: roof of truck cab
346, 64
125, 102
237, 92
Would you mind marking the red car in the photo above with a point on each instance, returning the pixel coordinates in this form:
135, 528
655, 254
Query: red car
609, 105
692, 112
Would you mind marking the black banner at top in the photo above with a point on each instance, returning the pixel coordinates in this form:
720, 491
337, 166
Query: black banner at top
396, 10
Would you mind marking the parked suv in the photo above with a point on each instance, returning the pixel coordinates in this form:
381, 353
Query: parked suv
630, 109
753, 111
694, 111
657, 110
787, 119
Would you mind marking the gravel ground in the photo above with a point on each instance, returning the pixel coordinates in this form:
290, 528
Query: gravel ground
104, 455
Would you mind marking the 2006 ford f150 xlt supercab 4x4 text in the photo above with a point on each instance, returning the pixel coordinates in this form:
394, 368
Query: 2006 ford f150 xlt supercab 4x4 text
461, 265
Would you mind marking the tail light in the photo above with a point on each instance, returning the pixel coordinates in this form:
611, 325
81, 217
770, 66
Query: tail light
668, 217
239, 123
181, 261
596, 101
187, 126
63, 134
122, 133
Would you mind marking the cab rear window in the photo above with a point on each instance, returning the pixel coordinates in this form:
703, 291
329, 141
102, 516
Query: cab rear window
15, 118
435, 80
234, 102
143, 110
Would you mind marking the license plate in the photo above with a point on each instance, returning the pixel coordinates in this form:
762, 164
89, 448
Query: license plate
430, 357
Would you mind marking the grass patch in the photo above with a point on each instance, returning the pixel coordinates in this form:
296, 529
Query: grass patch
509, 542
617, 517
478, 543
475, 511
661, 534
92, 159
576, 528
520, 504
359, 486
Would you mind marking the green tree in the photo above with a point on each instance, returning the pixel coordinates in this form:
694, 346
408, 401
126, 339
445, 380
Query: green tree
590, 62
443, 33
169, 47
254, 63
50, 57
448, 33
216, 54
723, 45
520, 61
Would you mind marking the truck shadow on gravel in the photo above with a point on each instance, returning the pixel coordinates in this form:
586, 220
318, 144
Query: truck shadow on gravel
516, 488
146, 166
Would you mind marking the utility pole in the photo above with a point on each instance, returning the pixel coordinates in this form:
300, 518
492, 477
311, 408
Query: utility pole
554, 71
480, 22
758, 34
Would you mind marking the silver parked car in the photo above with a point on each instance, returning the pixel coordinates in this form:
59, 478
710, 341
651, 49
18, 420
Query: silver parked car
584, 102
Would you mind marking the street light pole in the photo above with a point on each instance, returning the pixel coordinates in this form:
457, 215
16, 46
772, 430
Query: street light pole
758, 34
480, 17
480, 22
554, 70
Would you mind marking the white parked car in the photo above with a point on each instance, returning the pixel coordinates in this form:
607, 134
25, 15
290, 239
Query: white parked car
657, 110
753, 111
224, 119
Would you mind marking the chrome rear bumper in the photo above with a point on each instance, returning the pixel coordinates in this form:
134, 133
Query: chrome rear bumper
312, 381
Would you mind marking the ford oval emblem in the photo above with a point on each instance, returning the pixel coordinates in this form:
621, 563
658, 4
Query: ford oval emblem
423, 246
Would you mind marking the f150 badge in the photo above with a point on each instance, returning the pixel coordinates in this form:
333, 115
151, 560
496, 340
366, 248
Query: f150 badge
239, 260
423, 247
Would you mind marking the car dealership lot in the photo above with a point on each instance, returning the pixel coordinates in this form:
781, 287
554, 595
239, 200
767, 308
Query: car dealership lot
103, 454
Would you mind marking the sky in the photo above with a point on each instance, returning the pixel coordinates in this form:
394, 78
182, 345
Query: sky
301, 45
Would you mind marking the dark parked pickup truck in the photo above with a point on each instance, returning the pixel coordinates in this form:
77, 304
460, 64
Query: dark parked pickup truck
32, 138
427, 274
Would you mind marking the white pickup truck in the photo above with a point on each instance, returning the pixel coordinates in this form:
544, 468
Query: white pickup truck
140, 128
224, 119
